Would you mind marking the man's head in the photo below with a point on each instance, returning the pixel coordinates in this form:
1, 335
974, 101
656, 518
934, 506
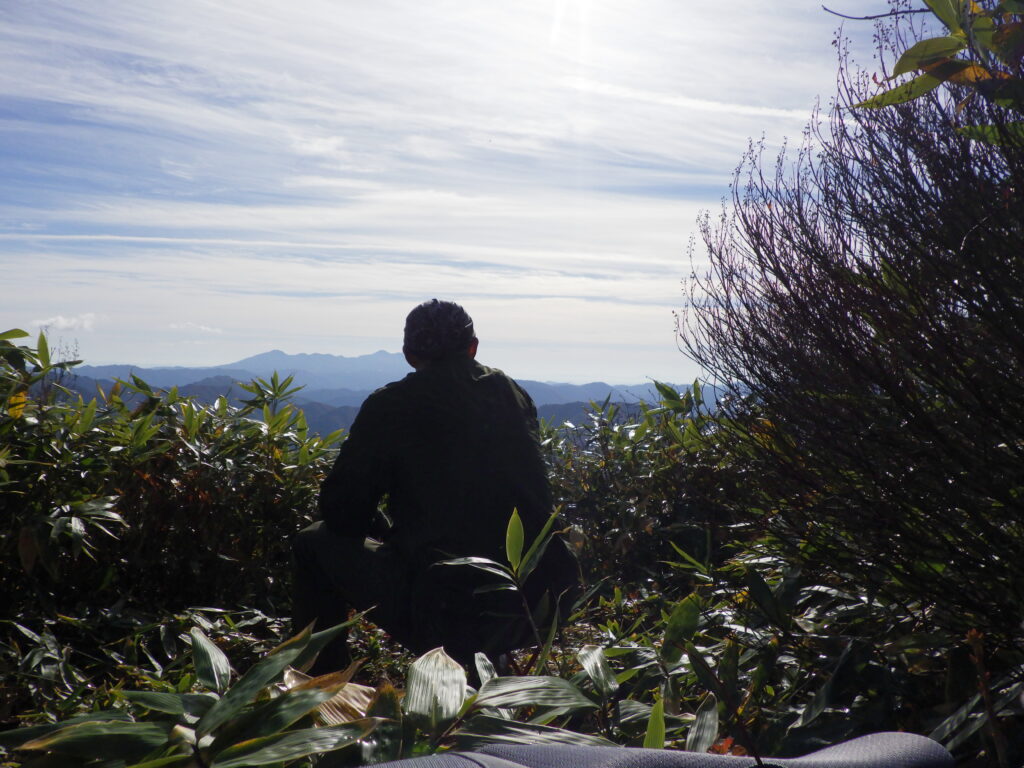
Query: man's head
438, 330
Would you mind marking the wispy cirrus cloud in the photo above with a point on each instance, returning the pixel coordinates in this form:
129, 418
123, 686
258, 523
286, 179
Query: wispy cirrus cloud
279, 168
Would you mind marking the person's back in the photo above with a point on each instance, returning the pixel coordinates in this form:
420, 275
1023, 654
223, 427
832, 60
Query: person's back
454, 447
447, 454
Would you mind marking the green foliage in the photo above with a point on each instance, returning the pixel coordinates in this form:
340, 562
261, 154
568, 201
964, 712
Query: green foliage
982, 54
250, 723
631, 484
862, 301
701, 632
174, 493
138, 498
513, 576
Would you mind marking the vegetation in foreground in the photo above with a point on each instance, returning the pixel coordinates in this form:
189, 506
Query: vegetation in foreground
697, 633
830, 550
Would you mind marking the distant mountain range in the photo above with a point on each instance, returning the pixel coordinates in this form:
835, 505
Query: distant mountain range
335, 386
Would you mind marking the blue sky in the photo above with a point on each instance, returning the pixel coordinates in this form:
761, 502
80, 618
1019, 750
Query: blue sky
193, 182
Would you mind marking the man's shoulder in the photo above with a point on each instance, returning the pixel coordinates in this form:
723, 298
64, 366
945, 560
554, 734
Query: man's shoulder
388, 397
429, 381
503, 385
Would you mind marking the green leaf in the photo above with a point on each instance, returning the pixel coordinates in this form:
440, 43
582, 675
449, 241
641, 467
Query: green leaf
703, 671
141, 385
666, 392
537, 691
681, 627
983, 30
537, 548
13, 738
264, 672
118, 740
631, 711
545, 651
486, 729
762, 594
481, 563
13, 333
86, 418
484, 668
593, 660
927, 52
948, 12
704, 731
293, 745
212, 667
1007, 42
952, 723
272, 717
823, 698
655, 736
1008, 133
728, 668
165, 762
318, 640
43, 351
514, 537
692, 561
193, 704
973, 726
909, 91
435, 689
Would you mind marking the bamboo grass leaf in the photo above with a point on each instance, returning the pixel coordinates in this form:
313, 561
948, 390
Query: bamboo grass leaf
595, 663
537, 548
535, 690
704, 731
482, 729
212, 666
128, 741
264, 672
13, 333
435, 689
514, 537
681, 627
292, 745
655, 736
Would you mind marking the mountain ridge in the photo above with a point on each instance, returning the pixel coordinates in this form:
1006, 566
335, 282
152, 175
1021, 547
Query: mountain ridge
338, 380
335, 386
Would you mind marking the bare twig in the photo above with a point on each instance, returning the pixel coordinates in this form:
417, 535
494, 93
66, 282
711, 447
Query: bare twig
877, 15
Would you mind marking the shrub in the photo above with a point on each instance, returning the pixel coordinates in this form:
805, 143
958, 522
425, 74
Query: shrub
867, 300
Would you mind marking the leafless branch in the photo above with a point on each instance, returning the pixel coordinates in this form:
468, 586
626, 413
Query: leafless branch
877, 15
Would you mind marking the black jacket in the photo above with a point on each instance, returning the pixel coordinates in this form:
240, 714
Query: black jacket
451, 450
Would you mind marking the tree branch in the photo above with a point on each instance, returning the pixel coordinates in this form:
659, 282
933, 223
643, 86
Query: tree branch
877, 15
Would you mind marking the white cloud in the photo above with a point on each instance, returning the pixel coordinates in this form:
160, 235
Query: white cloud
84, 322
300, 173
190, 326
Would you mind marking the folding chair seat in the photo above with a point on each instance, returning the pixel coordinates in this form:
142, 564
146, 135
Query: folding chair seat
879, 750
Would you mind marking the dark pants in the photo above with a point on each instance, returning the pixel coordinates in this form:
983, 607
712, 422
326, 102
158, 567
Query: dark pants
419, 605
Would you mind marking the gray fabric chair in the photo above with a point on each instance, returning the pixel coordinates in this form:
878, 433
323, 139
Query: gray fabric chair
879, 750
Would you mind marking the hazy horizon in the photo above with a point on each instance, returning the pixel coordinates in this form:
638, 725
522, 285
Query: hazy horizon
493, 364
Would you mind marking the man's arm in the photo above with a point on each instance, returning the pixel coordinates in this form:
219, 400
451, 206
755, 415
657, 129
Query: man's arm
354, 486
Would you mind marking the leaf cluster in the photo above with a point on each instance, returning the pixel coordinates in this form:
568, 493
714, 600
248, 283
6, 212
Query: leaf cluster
982, 53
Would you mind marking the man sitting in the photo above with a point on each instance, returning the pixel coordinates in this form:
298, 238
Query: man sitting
442, 458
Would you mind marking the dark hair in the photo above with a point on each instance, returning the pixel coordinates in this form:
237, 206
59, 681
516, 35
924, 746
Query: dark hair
436, 330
